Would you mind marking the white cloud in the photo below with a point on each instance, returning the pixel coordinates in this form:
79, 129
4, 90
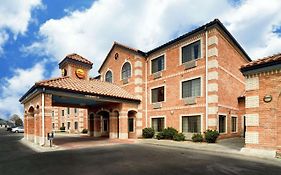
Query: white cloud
14, 87
15, 16
142, 24
252, 23
149, 23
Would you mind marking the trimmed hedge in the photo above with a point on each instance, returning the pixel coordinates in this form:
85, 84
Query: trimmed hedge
148, 132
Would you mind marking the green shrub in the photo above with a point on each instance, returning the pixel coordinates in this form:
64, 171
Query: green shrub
179, 137
197, 138
211, 136
62, 129
84, 131
160, 135
167, 133
148, 132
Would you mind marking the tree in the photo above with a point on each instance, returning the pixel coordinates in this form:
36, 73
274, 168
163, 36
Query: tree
16, 120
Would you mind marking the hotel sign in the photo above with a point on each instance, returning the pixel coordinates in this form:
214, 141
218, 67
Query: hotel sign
80, 73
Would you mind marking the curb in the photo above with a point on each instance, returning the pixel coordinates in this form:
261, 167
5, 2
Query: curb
38, 148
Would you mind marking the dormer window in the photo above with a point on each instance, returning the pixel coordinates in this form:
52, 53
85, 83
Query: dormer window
191, 52
108, 76
126, 71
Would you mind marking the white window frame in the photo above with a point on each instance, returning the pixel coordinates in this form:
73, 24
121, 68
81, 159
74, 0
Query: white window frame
192, 78
111, 74
188, 43
150, 67
132, 71
190, 115
163, 116
236, 123
165, 93
218, 123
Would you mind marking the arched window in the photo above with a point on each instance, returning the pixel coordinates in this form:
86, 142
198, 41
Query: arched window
126, 71
108, 76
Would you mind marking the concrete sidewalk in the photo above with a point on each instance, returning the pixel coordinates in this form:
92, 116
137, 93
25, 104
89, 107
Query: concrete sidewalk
228, 146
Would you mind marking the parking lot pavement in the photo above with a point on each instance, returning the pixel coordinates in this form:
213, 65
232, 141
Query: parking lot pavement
125, 159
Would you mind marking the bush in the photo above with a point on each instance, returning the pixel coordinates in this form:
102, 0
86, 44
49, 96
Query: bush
167, 133
179, 137
84, 131
148, 132
62, 129
211, 136
197, 138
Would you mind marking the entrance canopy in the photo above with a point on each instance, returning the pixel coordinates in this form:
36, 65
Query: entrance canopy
70, 91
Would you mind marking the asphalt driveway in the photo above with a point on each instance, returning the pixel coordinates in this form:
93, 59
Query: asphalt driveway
124, 159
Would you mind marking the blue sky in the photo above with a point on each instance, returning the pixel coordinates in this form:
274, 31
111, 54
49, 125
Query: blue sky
36, 34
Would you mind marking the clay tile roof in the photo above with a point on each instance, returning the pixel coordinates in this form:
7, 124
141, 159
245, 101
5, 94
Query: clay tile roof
94, 87
262, 61
77, 57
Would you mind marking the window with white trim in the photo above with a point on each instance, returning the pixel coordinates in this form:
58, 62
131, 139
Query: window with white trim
158, 124
126, 71
108, 76
191, 88
157, 94
222, 123
157, 64
233, 124
191, 124
191, 52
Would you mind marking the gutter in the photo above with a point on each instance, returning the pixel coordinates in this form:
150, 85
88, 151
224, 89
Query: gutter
43, 117
146, 105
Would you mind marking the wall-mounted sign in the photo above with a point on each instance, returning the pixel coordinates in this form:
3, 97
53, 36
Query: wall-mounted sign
80, 73
267, 98
63, 72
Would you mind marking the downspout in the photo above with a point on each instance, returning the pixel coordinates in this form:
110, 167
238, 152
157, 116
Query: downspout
206, 78
43, 118
146, 96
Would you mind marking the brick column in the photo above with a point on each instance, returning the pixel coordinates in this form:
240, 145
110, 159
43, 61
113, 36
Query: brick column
212, 95
123, 124
113, 124
97, 126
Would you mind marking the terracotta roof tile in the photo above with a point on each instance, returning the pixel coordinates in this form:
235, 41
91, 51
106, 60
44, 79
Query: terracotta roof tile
269, 59
77, 57
95, 87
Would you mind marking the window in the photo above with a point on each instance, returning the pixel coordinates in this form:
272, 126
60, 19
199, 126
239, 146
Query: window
75, 110
222, 123
191, 88
157, 64
76, 125
233, 124
68, 125
53, 114
191, 52
105, 125
62, 124
191, 124
62, 112
108, 76
157, 94
53, 126
126, 71
158, 124
131, 124
68, 111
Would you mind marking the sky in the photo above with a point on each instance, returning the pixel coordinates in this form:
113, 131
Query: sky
35, 35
